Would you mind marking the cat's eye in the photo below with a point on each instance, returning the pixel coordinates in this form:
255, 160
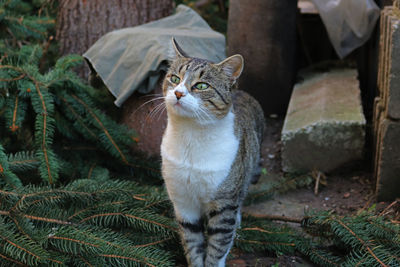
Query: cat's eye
201, 86
175, 79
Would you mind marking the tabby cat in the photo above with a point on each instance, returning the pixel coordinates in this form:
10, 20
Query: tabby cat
210, 152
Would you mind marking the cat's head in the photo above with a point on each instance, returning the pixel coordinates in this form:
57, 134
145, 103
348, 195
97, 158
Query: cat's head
199, 89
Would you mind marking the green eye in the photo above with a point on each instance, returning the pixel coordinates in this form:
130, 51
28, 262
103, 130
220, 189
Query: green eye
175, 79
201, 86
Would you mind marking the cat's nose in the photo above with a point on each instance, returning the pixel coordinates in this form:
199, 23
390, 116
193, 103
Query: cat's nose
178, 94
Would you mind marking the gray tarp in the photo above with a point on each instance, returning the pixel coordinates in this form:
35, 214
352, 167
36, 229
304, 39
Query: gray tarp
131, 59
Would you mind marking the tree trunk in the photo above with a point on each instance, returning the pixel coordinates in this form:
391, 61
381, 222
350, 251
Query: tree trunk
80, 23
264, 32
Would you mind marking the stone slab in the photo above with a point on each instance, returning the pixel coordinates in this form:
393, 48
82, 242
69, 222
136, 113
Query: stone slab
324, 127
393, 86
388, 169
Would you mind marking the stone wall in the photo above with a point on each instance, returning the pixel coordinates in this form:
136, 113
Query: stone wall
386, 118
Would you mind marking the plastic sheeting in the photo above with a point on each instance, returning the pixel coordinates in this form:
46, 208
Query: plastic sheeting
132, 59
349, 22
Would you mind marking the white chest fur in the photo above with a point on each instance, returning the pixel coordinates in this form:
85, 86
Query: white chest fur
196, 159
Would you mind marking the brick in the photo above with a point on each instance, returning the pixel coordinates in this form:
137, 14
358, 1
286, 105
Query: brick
388, 167
324, 126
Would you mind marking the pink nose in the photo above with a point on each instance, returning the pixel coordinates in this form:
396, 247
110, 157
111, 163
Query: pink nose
178, 94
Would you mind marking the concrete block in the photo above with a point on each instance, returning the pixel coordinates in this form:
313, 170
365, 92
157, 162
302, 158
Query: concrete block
388, 169
324, 126
393, 87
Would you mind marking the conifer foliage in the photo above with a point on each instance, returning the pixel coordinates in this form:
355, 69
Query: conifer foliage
39, 106
58, 152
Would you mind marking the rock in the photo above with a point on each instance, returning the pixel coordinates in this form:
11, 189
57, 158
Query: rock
388, 163
324, 127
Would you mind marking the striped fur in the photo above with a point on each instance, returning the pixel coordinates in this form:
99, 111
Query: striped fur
210, 152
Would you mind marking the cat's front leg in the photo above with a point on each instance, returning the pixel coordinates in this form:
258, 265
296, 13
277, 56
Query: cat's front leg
191, 229
221, 230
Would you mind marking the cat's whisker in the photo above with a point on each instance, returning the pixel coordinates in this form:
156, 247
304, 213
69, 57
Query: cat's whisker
154, 111
149, 95
161, 112
150, 116
198, 116
148, 102
204, 111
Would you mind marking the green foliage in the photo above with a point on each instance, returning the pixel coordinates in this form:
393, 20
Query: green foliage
359, 240
367, 240
39, 106
85, 222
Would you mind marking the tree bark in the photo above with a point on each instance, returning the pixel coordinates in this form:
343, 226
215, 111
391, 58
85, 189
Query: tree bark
80, 23
264, 32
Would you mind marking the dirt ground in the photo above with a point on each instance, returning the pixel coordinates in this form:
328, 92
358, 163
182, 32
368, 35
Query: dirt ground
347, 191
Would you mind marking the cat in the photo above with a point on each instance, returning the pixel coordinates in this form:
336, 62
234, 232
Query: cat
210, 151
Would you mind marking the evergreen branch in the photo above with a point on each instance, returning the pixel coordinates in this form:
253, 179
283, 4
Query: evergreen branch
91, 170
155, 203
94, 207
85, 261
5, 172
74, 240
20, 21
36, 218
79, 118
14, 117
19, 247
44, 135
92, 113
266, 242
8, 193
361, 241
12, 67
324, 259
4, 212
49, 220
56, 191
126, 258
276, 218
153, 243
56, 261
12, 260
15, 112
13, 79
129, 216
22, 161
41, 200
260, 230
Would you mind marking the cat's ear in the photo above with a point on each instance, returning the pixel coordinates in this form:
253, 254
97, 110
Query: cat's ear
178, 50
232, 66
